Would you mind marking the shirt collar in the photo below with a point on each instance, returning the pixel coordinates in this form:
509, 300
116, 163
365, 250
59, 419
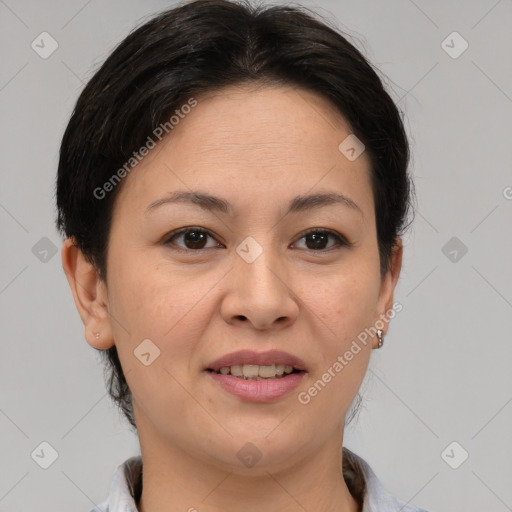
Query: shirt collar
127, 478
376, 496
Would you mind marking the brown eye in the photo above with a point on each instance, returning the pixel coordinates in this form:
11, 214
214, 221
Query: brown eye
193, 238
318, 239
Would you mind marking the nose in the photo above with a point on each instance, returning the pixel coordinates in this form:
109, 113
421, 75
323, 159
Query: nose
260, 292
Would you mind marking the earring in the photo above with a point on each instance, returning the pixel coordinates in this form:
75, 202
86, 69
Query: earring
381, 339
97, 334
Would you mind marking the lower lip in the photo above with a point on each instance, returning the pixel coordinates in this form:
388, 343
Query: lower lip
258, 390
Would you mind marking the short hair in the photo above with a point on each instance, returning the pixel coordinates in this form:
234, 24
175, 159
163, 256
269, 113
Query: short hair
206, 45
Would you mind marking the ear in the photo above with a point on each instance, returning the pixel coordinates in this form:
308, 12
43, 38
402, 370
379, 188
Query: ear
388, 283
90, 295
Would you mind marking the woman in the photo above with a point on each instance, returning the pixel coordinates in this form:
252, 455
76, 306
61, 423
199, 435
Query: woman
233, 189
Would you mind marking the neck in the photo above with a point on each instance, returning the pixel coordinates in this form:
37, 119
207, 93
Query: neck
176, 481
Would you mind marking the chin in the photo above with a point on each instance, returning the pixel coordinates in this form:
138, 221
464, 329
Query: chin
251, 453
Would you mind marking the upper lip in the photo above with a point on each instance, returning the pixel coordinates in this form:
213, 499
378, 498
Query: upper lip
267, 358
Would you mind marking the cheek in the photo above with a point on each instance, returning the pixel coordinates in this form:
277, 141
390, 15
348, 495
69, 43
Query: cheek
344, 305
149, 298
344, 309
345, 302
151, 302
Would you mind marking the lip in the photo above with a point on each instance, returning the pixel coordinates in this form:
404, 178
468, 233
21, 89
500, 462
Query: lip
258, 390
257, 358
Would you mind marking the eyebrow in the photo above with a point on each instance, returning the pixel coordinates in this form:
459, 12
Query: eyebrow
212, 203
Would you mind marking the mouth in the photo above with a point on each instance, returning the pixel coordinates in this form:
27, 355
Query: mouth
257, 372
251, 365
257, 377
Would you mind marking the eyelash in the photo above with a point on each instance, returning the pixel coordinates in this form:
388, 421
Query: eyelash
340, 240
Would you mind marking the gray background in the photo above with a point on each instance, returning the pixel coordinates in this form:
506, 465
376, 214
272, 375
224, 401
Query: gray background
444, 374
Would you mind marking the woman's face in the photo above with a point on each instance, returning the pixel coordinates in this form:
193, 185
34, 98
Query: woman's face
246, 278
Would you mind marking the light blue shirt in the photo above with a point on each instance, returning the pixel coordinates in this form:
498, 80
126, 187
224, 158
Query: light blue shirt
121, 497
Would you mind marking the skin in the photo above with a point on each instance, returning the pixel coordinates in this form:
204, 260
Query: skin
257, 147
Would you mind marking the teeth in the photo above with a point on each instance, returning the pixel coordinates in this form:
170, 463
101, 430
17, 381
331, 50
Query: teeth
250, 371
267, 371
255, 372
237, 371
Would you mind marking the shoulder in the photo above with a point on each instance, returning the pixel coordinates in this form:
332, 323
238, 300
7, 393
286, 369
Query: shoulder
368, 489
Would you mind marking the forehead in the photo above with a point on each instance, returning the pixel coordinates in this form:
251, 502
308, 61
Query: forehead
260, 118
253, 139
